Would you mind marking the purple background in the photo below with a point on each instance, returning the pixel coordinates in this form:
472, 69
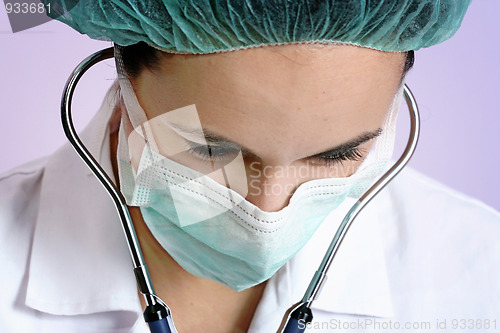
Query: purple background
457, 85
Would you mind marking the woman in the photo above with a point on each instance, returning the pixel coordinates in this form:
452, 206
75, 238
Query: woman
273, 124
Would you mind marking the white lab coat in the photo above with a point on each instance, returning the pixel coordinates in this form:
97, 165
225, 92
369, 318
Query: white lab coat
420, 254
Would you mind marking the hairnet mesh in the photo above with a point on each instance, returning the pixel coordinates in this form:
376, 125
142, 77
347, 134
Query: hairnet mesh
207, 26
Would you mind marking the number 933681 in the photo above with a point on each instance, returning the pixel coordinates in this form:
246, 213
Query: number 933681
26, 8
474, 324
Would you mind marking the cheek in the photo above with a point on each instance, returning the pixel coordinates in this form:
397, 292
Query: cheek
301, 171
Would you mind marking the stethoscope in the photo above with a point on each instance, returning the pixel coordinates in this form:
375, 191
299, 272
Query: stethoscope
157, 314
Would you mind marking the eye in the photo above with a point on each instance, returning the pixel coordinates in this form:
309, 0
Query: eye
211, 152
353, 154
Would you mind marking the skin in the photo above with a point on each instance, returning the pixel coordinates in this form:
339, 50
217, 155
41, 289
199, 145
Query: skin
283, 104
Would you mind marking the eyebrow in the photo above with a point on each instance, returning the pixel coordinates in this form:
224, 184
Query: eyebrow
213, 138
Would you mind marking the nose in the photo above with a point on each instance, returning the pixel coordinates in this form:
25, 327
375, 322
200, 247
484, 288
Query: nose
270, 186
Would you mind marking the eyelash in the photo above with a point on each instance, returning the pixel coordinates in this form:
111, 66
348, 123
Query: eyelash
354, 154
217, 153
208, 152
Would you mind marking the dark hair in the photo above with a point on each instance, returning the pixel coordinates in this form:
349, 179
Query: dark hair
410, 60
140, 56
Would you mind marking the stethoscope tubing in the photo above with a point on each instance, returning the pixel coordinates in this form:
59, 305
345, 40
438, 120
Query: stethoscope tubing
301, 314
158, 316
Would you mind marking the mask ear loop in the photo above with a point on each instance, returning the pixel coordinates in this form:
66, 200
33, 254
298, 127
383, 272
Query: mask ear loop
300, 314
157, 313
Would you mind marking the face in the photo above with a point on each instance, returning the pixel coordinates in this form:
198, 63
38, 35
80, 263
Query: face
312, 108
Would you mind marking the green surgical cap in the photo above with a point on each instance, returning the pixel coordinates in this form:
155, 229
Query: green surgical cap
207, 26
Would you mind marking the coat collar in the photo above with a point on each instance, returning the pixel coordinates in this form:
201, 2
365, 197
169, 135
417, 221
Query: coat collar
66, 280
357, 282
79, 261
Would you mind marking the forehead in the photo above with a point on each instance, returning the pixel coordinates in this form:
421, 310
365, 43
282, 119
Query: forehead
308, 96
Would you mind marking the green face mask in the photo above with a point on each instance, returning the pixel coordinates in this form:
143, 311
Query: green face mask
214, 233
